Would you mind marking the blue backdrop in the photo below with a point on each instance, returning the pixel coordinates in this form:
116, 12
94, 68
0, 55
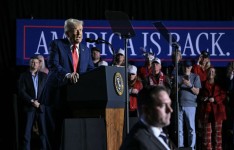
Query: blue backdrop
217, 37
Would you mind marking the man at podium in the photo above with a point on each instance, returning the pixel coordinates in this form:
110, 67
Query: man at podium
67, 60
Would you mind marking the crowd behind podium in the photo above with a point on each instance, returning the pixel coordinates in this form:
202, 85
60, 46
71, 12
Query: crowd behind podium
206, 98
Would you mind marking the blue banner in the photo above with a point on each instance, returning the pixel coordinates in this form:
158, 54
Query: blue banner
217, 37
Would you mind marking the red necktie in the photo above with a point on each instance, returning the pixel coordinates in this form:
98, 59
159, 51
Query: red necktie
75, 58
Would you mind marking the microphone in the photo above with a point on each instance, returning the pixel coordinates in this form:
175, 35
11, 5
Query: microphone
99, 41
90, 40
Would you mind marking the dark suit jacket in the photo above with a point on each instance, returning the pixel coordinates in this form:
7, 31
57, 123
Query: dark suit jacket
26, 89
60, 59
141, 138
27, 93
60, 63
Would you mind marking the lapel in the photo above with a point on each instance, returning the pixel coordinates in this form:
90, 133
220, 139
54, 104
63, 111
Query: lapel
81, 52
39, 85
30, 82
156, 141
151, 136
67, 49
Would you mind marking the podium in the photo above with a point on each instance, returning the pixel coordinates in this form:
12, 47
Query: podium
101, 93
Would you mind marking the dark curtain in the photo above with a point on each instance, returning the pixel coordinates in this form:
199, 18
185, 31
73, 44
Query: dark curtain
90, 10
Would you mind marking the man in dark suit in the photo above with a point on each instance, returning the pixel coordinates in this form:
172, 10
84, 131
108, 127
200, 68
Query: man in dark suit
155, 110
67, 60
31, 84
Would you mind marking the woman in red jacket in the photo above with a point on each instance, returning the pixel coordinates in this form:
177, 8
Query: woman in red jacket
213, 111
134, 85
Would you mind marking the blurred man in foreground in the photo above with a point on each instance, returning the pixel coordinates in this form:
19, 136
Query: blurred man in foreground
155, 111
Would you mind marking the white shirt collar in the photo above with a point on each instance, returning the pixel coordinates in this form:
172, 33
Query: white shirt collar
156, 131
77, 48
71, 46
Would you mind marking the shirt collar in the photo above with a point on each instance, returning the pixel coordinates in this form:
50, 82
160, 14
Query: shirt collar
156, 130
71, 46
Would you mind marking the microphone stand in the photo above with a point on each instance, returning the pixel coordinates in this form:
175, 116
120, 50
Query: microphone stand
126, 37
176, 47
126, 83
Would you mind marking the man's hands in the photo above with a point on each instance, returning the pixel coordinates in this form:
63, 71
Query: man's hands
133, 91
73, 77
35, 103
210, 99
186, 82
199, 60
